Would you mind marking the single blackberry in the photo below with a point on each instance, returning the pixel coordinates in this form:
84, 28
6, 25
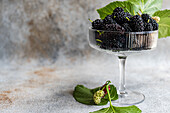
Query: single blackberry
108, 20
97, 24
128, 15
148, 27
127, 27
146, 17
154, 24
118, 9
137, 24
114, 27
136, 18
120, 17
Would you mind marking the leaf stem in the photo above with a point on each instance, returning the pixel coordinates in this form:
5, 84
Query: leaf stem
103, 88
107, 83
107, 88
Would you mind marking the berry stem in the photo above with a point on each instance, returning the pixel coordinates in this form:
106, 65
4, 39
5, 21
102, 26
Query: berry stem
133, 12
141, 10
107, 88
103, 88
127, 18
139, 14
100, 32
107, 83
98, 40
90, 20
148, 20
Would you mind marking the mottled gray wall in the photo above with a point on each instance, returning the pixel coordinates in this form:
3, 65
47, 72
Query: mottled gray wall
47, 28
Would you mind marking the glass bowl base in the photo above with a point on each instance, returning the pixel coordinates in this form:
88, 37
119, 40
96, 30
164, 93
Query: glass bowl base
129, 98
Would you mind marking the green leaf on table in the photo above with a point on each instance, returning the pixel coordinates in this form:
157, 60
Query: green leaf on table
130, 109
85, 95
164, 24
104, 110
113, 93
147, 6
108, 10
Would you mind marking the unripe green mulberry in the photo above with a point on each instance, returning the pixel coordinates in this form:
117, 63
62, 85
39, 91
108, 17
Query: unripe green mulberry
97, 99
100, 93
98, 96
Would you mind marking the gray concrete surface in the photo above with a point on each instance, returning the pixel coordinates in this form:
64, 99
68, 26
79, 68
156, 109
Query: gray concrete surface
33, 87
44, 54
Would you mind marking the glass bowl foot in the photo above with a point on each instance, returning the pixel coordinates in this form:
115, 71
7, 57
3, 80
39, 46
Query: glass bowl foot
129, 98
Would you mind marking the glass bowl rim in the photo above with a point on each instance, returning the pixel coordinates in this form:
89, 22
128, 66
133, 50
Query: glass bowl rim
143, 32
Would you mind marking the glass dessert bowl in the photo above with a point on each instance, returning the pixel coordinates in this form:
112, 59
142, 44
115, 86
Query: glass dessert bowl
123, 44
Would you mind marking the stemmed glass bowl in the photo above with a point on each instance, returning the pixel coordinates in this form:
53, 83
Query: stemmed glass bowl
123, 44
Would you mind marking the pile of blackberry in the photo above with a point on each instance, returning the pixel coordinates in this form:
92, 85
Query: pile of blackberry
121, 22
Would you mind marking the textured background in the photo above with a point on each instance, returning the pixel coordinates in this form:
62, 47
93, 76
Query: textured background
44, 54
45, 29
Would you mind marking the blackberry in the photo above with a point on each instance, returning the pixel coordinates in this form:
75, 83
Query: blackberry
120, 17
146, 17
108, 20
97, 24
114, 27
148, 27
113, 41
137, 24
127, 27
122, 42
118, 9
110, 41
128, 15
154, 24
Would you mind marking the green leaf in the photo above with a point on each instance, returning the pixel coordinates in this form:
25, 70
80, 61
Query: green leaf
130, 109
113, 93
85, 95
164, 24
108, 10
147, 6
104, 110
162, 13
